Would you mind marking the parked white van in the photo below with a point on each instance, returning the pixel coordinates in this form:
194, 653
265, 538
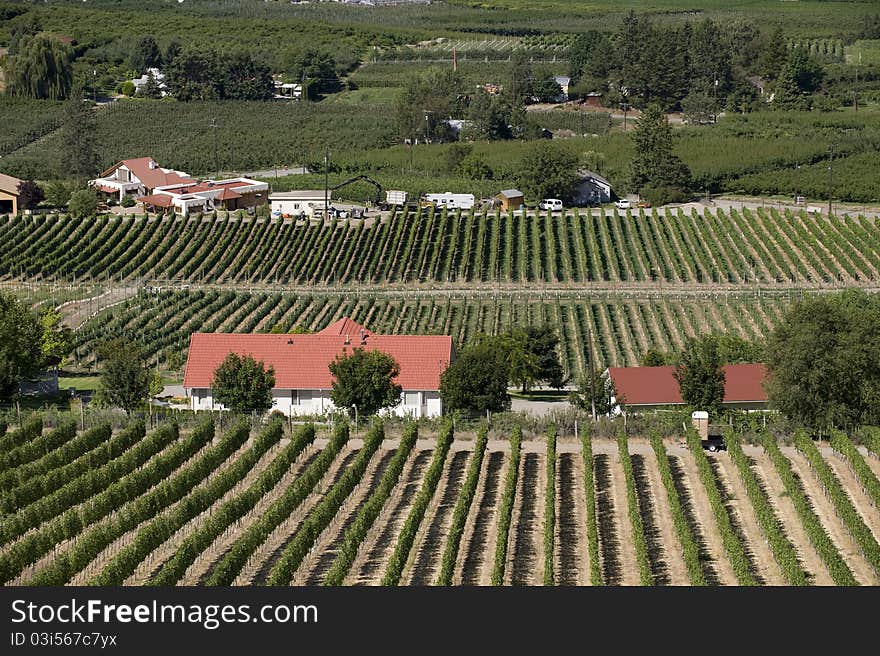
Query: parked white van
623, 204
552, 204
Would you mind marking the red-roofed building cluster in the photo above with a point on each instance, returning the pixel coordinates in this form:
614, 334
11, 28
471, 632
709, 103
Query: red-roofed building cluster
302, 366
161, 189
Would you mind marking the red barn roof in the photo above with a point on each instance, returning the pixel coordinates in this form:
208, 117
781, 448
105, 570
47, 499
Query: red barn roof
743, 383
149, 173
344, 326
302, 361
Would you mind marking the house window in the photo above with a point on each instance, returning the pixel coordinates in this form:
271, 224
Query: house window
411, 399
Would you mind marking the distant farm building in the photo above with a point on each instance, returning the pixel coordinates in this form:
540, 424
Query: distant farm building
563, 81
287, 90
648, 389
301, 363
592, 189
510, 199
305, 203
9, 194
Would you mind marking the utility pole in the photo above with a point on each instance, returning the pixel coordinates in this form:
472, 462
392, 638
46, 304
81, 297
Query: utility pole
856, 90
797, 183
326, 190
625, 107
214, 127
830, 176
715, 100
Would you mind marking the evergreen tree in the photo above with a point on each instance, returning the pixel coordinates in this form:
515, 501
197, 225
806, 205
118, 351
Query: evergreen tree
145, 54
79, 158
654, 165
773, 56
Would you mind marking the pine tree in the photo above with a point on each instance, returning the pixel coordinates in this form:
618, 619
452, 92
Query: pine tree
654, 166
79, 158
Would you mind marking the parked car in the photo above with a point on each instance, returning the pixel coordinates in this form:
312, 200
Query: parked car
714, 443
552, 204
643, 203
623, 204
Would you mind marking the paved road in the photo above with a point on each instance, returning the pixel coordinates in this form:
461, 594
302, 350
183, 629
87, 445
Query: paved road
277, 172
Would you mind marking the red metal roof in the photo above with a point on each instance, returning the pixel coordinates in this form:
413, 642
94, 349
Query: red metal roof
159, 200
107, 190
228, 194
149, 177
657, 385
302, 361
345, 326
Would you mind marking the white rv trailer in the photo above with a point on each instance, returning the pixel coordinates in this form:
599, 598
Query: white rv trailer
452, 201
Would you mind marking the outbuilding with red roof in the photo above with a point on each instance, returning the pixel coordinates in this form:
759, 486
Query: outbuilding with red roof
302, 366
643, 389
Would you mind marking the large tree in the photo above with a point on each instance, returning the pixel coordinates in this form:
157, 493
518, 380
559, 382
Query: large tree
20, 341
57, 340
242, 384
476, 381
700, 375
365, 380
548, 170
426, 102
30, 194
595, 393
41, 68
489, 116
543, 343
654, 166
824, 361
145, 54
79, 157
125, 378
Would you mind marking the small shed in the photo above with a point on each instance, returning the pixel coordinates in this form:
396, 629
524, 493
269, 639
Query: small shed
510, 199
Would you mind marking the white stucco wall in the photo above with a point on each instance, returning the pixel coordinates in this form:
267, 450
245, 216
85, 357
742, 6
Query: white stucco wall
317, 402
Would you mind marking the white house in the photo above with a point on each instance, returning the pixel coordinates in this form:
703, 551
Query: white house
137, 177
592, 189
207, 196
563, 81
301, 363
158, 78
298, 203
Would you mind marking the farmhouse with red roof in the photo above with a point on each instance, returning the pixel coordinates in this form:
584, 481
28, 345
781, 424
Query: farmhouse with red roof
643, 389
301, 363
162, 189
